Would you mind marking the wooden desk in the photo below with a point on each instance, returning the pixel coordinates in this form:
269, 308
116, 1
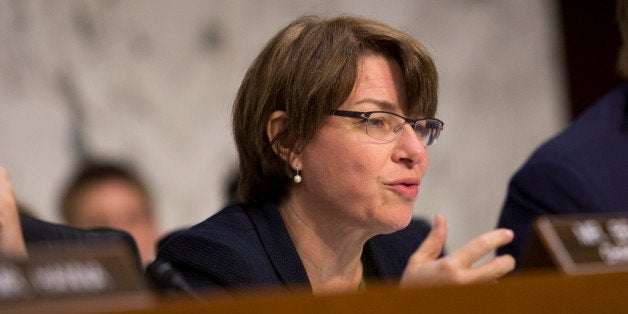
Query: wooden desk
528, 293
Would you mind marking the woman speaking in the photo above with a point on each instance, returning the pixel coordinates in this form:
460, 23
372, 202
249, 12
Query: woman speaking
332, 124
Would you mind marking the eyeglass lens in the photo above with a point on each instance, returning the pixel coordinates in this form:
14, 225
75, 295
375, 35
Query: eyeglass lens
386, 127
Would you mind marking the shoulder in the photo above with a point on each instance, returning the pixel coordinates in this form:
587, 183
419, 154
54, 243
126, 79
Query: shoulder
596, 127
576, 157
219, 251
229, 229
581, 169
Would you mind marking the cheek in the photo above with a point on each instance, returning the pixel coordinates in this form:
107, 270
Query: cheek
423, 164
343, 165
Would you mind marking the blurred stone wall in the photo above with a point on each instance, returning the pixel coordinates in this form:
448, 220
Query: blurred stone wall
152, 81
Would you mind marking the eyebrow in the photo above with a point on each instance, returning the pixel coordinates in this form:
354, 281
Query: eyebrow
385, 105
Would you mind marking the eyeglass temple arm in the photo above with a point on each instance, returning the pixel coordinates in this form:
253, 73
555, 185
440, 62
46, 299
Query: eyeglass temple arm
349, 114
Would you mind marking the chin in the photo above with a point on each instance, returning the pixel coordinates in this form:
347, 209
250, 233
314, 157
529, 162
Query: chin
395, 221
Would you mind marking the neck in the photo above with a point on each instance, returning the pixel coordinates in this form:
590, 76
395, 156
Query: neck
330, 252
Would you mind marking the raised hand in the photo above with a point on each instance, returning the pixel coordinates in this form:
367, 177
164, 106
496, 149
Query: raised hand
11, 240
426, 269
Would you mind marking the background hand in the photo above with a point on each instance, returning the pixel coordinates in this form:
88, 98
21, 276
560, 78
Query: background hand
11, 240
426, 269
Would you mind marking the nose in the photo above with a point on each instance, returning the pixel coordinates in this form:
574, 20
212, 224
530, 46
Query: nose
409, 148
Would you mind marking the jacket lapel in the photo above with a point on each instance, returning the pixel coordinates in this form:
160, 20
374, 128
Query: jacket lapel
278, 245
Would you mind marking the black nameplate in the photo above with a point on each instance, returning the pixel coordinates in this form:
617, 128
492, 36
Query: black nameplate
69, 271
586, 244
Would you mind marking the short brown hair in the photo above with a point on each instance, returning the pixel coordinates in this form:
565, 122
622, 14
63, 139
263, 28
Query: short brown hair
93, 173
308, 69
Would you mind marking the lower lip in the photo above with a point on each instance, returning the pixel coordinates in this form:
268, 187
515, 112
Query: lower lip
407, 191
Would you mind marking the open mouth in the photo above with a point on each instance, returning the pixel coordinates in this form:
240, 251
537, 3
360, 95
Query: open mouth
406, 188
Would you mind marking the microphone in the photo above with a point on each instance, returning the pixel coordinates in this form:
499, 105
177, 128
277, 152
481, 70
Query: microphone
166, 277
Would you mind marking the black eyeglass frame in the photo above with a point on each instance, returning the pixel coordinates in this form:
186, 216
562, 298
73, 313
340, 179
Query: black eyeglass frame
366, 115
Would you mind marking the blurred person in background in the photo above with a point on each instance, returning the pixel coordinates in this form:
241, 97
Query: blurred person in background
584, 169
20, 232
111, 195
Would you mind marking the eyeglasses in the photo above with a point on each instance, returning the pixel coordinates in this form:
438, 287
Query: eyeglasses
386, 126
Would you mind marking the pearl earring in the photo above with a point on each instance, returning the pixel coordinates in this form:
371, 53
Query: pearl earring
297, 177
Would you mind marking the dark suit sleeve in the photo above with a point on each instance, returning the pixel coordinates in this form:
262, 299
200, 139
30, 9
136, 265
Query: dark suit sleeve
38, 232
541, 188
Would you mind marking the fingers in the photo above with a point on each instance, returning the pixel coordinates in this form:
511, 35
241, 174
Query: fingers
464, 258
4, 178
6, 191
432, 246
426, 269
493, 269
11, 240
482, 245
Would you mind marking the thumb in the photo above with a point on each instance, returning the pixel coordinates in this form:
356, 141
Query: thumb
432, 246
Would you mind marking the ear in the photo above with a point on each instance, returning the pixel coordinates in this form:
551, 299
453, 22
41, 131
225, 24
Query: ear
277, 123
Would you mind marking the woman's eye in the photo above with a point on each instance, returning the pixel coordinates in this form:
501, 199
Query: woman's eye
375, 122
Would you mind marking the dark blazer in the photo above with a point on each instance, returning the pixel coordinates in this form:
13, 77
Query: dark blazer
584, 169
242, 248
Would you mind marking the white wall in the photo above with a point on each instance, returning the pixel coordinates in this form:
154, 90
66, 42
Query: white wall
154, 80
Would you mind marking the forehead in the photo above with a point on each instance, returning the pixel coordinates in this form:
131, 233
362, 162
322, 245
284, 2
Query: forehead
379, 85
103, 189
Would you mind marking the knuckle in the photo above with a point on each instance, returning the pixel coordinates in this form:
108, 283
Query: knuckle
449, 268
413, 260
458, 278
453, 273
447, 265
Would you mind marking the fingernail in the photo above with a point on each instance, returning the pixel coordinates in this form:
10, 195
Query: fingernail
437, 219
510, 233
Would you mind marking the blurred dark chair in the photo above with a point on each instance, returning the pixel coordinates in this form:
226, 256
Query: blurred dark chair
38, 233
